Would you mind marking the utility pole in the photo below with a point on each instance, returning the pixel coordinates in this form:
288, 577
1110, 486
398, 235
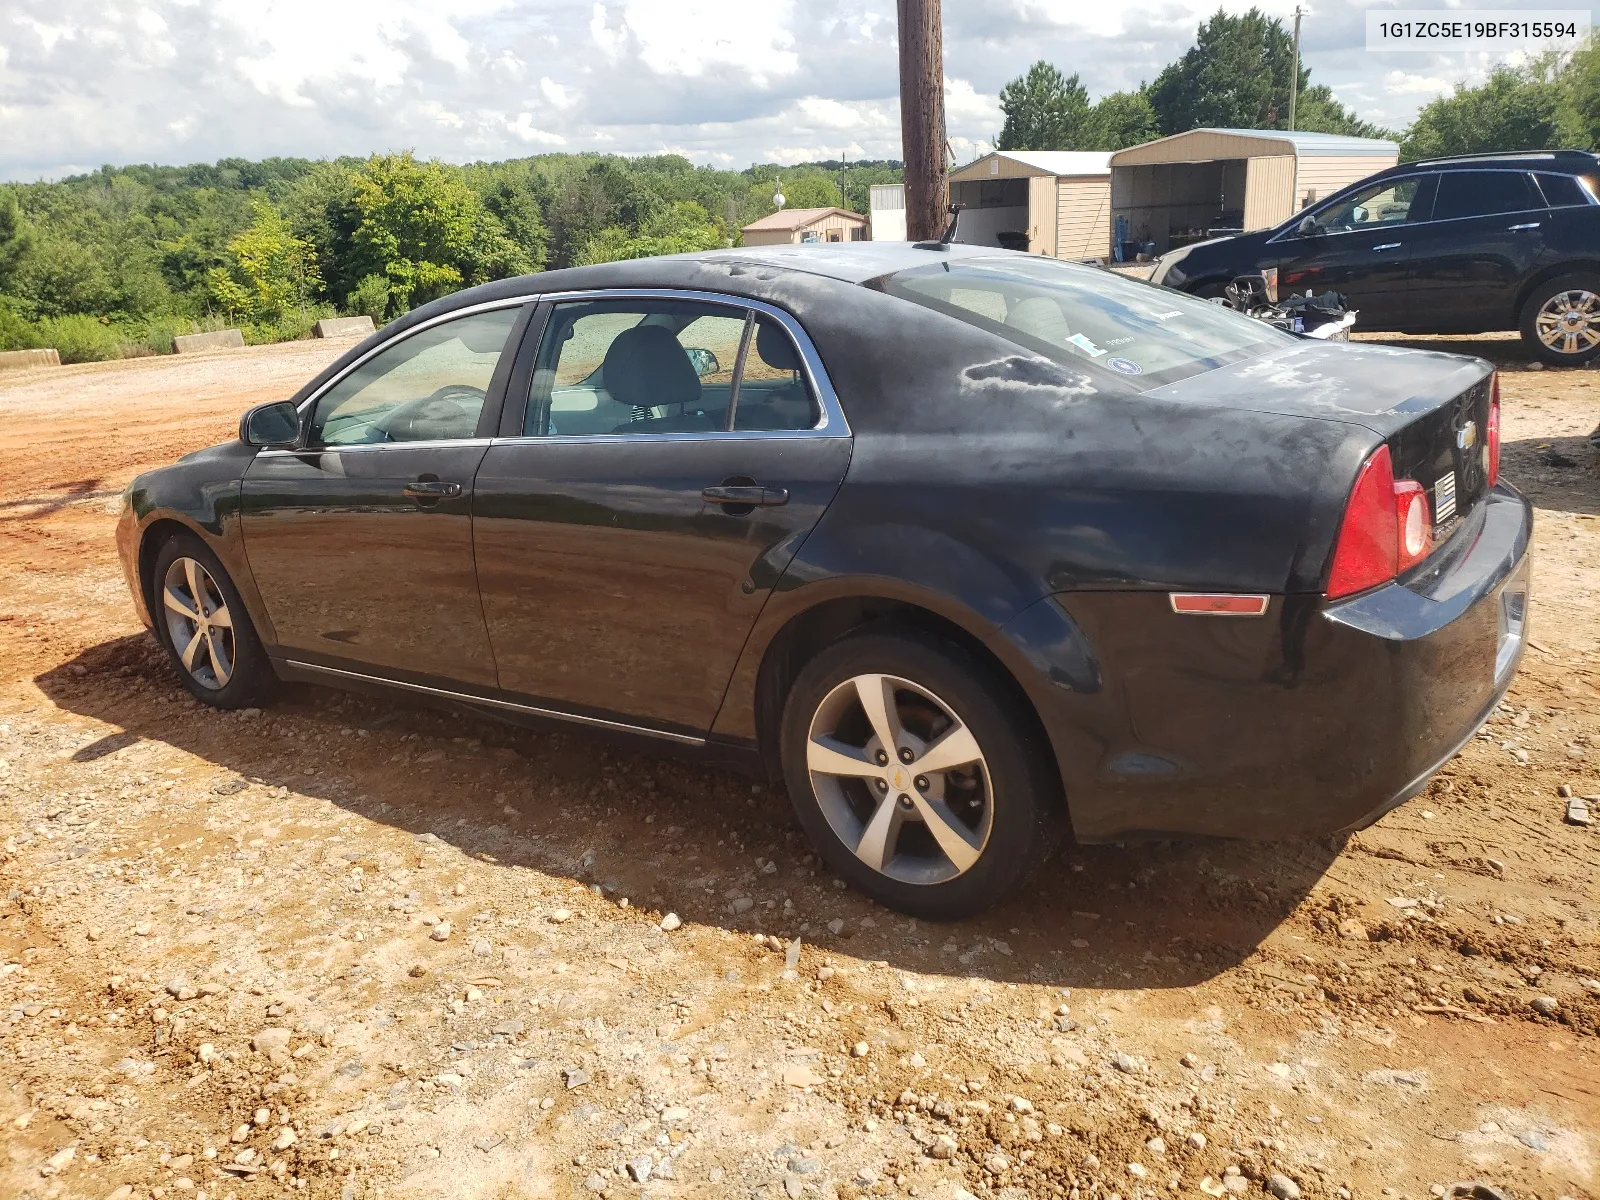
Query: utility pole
922, 119
1294, 74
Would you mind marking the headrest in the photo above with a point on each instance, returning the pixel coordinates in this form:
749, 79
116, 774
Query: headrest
775, 348
645, 366
1040, 317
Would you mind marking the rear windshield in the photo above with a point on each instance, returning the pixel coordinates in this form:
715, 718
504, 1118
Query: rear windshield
1081, 315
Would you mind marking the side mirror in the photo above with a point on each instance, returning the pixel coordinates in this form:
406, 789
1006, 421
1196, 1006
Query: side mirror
1308, 227
705, 362
275, 425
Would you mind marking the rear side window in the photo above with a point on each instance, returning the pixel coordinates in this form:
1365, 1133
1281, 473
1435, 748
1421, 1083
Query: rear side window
1084, 316
1561, 191
1483, 194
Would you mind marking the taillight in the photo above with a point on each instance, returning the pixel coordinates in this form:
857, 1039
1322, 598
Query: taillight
1387, 527
1491, 441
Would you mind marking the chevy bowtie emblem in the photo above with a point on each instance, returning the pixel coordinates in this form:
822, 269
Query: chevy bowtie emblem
1467, 436
899, 779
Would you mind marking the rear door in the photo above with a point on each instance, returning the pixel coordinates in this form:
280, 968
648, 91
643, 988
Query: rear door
659, 471
1361, 248
1486, 236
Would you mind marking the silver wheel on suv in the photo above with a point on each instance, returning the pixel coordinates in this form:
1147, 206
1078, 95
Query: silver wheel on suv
1569, 322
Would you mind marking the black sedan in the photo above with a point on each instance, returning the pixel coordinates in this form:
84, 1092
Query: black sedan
1458, 245
972, 549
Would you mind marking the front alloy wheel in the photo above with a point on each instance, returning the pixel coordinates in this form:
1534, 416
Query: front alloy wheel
199, 623
901, 780
920, 772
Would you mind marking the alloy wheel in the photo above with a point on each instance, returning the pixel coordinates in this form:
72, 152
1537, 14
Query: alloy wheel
900, 778
199, 623
1569, 322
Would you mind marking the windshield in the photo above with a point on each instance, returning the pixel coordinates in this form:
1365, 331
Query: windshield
1081, 315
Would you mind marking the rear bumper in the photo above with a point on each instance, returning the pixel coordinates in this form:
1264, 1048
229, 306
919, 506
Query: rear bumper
1313, 720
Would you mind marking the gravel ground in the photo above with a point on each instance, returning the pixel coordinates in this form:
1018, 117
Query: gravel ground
354, 948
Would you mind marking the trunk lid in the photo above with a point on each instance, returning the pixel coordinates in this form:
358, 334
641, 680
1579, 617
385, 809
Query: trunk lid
1432, 409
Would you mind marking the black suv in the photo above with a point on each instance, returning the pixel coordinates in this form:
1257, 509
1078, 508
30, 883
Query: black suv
1452, 245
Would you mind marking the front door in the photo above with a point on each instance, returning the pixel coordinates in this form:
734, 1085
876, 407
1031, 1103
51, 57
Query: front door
1361, 249
1487, 235
361, 543
627, 539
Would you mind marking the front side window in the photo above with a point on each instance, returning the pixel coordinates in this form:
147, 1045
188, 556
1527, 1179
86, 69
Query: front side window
427, 387
1389, 203
663, 366
1084, 316
1483, 194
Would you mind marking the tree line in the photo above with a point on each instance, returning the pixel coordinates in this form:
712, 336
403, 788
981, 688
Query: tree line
115, 263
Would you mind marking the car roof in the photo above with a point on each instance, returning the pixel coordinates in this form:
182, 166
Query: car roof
1528, 160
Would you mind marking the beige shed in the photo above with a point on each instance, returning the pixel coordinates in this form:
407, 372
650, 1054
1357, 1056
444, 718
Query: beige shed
790, 225
1209, 182
1054, 202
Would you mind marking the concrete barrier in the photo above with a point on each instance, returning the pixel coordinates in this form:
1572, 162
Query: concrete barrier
342, 327
222, 339
21, 360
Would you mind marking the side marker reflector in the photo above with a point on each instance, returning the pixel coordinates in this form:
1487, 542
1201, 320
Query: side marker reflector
1218, 604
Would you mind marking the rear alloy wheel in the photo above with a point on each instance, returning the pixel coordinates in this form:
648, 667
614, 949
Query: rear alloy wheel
204, 627
1561, 320
917, 777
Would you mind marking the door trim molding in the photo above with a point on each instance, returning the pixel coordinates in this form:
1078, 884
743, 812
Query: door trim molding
468, 698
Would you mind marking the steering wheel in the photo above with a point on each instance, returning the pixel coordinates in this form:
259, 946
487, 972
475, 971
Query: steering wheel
444, 408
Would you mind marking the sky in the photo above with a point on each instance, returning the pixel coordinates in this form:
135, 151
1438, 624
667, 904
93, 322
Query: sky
724, 82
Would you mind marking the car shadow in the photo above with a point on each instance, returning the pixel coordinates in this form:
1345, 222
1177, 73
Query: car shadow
675, 835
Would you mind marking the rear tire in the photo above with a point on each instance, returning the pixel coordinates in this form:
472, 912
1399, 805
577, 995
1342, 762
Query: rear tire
1560, 322
203, 625
964, 808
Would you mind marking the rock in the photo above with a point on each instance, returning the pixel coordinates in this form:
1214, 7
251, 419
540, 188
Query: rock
639, 1169
1592, 986
944, 1147
801, 1165
595, 1183
1545, 1006
860, 1050
263, 1115
58, 1161
481, 947
1283, 1187
1137, 1170
677, 1115
241, 1134
449, 1079
560, 916
996, 1163
836, 926
440, 932
664, 1168
205, 1054
670, 922
1156, 1146
743, 905
1190, 1060
793, 1187
286, 1138
1197, 1140
1352, 929
122, 1192
1127, 1064
800, 1076
1235, 1185
245, 1157
1534, 1140
574, 1077
1578, 812
1021, 1105
274, 1037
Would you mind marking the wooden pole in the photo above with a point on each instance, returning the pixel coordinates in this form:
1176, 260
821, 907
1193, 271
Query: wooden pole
922, 119
1294, 77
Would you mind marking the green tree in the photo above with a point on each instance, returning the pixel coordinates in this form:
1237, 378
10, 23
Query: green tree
273, 271
513, 203
15, 239
1044, 110
681, 229
417, 225
1118, 120
1513, 110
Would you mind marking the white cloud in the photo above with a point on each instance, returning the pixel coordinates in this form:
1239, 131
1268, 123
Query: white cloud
723, 81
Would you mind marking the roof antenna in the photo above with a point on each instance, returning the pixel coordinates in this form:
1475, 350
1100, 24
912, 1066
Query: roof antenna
949, 233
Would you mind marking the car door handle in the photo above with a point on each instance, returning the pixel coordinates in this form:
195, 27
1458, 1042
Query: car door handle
1529, 225
1388, 246
751, 494
431, 489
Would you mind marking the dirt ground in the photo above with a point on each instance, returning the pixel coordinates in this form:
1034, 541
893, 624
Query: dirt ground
220, 972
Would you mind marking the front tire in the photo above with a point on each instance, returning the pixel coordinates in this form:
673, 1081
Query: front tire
1560, 322
203, 625
919, 779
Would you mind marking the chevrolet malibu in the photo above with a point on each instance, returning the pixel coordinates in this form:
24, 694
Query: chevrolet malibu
973, 550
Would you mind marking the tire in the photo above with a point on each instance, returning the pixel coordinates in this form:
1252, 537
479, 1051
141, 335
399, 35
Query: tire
227, 668
1004, 806
1560, 313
